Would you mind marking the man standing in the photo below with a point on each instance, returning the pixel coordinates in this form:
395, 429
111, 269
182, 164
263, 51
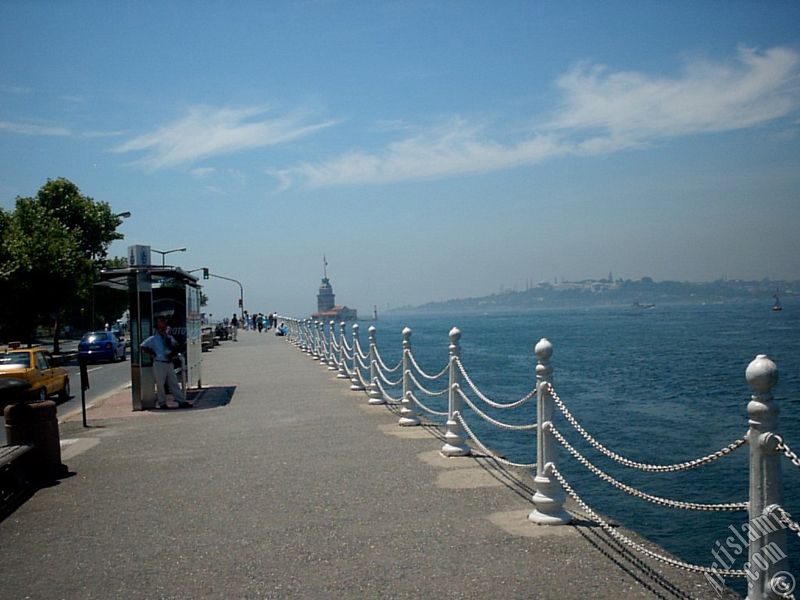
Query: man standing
161, 346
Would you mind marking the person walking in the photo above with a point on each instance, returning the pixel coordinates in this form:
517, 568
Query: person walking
162, 346
234, 326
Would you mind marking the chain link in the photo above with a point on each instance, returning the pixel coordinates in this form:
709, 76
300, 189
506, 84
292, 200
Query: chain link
457, 416
785, 518
424, 389
784, 447
423, 373
425, 408
732, 506
386, 397
361, 353
488, 400
489, 419
388, 381
383, 364
629, 542
674, 468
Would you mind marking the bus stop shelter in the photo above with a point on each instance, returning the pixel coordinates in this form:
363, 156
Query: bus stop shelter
155, 291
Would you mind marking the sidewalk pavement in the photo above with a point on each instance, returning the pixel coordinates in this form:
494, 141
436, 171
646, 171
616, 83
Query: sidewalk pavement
282, 483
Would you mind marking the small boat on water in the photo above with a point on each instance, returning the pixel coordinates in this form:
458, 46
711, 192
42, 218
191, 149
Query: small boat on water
643, 306
777, 306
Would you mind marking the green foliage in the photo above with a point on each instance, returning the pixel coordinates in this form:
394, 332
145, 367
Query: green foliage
50, 249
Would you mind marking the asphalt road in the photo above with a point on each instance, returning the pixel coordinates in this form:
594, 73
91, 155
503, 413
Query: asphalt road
104, 378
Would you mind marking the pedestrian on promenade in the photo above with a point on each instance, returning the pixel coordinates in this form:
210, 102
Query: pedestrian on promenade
163, 347
234, 326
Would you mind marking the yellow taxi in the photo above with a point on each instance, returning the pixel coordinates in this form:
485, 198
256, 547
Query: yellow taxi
31, 374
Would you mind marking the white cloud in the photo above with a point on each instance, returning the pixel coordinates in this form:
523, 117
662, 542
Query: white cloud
208, 131
601, 112
455, 148
34, 129
628, 108
202, 172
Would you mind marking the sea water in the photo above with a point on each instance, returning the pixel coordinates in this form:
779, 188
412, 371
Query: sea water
660, 385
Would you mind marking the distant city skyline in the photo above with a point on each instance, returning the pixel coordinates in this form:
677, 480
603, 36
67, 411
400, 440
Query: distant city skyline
428, 150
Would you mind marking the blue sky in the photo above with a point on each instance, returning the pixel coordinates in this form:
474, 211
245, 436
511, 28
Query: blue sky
430, 150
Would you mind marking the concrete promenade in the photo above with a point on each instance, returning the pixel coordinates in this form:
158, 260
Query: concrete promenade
282, 483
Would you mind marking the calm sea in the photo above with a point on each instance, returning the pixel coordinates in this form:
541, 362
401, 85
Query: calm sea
661, 385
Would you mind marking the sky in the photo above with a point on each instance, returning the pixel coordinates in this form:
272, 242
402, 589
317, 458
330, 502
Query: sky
428, 150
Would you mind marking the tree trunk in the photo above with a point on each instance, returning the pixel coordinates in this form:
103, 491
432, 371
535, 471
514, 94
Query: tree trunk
56, 335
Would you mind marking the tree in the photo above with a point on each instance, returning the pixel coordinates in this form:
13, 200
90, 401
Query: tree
50, 249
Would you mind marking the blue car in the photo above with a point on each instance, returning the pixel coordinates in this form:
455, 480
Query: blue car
101, 345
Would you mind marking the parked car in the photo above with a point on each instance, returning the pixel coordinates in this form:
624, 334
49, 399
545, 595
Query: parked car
29, 374
101, 345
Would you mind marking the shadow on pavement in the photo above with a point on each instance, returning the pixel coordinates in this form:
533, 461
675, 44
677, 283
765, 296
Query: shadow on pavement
208, 397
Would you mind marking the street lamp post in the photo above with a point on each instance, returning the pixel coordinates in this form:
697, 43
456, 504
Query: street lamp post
164, 253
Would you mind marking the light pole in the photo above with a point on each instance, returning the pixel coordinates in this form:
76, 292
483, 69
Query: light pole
164, 253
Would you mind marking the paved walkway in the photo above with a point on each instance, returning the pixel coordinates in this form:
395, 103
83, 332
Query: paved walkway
282, 483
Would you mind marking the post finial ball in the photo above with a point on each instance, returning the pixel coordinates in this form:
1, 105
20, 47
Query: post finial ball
355, 327
543, 349
406, 332
761, 373
372, 329
455, 335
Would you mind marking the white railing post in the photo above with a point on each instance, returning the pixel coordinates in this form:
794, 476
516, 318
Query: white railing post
309, 344
455, 443
549, 497
342, 353
331, 347
355, 378
767, 562
408, 416
323, 344
374, 392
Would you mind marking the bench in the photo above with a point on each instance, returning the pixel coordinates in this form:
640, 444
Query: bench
9, 459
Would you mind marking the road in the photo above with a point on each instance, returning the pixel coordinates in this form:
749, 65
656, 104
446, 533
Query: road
104, 378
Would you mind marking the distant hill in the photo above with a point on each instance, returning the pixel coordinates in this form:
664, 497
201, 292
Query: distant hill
641, 292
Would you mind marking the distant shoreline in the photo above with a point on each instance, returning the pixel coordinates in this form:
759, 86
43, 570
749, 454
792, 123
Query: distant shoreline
620, 294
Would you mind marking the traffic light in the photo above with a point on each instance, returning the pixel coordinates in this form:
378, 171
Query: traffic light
205, 272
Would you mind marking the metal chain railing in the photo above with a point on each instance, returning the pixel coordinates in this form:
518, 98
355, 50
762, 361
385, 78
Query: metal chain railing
388, 399
730, 506
485, 449
425, 408
784, 447
423, 373
489, 401
785, 518
489, 419
387, 381
423, 388
551, 468
361, 353
673, 468
383, 364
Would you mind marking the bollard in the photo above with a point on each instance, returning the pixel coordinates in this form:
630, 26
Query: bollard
374, 392
36, 423
455, 444
355, 380
549, 497
765, 567
408, 415
342, 355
